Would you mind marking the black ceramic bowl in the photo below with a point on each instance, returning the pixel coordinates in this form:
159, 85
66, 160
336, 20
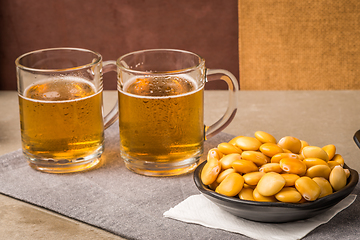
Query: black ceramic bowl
275, 212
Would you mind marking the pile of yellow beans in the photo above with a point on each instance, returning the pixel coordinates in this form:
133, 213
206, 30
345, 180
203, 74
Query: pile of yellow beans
262, 169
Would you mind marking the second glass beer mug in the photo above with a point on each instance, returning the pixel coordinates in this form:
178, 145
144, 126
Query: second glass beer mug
161, 110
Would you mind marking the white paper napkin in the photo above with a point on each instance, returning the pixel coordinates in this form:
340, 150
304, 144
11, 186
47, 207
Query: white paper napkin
200, 210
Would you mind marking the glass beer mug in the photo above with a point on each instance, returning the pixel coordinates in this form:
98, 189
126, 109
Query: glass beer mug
61, 113
161, 110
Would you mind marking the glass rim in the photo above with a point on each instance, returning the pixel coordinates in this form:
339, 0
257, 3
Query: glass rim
84, 66
120, 63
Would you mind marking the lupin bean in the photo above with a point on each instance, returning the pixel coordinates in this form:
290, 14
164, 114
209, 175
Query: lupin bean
290, 143
289, 195
271, 167
324, 185
248, 143
227, 148
214, 185
309, 162
244, 166
318, 171
227, 160
264, 137
337, 178
215, 153
211, 169
294, 166
256, 157
330, 150
347, 172
290, 179
253, 178
246, 194
276, 158
308, 188
224, 174
231, 185
270, 149
303, 144
233, 141
332, 164
338, 158
270, 184
314, 152
260, 198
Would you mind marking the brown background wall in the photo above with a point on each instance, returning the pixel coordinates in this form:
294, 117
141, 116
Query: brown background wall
281, 44
306, 44
115, 27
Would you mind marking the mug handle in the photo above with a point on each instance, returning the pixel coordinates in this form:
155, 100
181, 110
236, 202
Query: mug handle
113, 115
229, 115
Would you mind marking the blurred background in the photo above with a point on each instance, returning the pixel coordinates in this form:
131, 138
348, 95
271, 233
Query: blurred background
266, 44
115, 27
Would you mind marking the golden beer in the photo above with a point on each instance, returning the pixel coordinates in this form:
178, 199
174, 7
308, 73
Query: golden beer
61, 120
161, 121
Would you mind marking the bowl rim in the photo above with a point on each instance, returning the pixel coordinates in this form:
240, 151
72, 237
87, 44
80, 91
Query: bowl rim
320, 203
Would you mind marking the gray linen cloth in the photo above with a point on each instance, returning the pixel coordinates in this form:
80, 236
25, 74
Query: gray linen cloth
130, 205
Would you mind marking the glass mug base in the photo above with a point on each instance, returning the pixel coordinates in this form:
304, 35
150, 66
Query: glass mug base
65, 165
161, 169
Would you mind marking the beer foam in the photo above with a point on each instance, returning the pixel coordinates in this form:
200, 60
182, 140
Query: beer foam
54, 94
186, 77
